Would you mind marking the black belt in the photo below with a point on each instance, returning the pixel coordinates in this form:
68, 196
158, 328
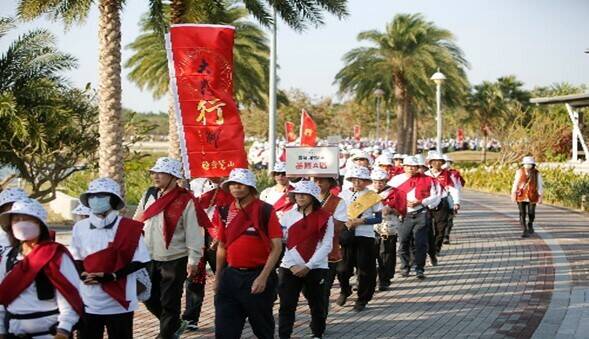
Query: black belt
247, 269
34, 315
414, 213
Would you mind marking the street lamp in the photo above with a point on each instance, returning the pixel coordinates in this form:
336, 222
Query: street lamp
272, 95
378, 93
438, 78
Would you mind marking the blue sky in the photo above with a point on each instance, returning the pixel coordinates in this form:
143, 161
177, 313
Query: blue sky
540, 41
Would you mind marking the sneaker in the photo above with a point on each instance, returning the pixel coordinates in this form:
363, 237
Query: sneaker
446, 241
359, 307
434, 261
180, 330
420, 275
531, 229
341, 300
192, 325
525, 234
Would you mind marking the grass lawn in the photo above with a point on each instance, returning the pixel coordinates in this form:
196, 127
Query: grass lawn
472, 156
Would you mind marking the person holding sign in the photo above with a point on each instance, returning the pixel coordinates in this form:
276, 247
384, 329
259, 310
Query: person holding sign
364, 211
309, 235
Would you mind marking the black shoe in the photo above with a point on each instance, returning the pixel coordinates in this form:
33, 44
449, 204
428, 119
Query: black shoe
446, 241
405, 273
531, 229
434, 261
341, 300
420, 275
383, 288
358, 307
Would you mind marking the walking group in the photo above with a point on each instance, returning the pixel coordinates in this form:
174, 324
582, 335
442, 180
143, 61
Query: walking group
265, 248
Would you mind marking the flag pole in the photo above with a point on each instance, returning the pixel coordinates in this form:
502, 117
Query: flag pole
272, 96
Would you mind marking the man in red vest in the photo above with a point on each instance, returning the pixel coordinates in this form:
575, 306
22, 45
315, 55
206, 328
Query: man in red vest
420, 192
250, 242
38, 279
174, 234
109, 250
309, 238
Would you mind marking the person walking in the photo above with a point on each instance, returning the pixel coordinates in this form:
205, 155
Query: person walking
527, 190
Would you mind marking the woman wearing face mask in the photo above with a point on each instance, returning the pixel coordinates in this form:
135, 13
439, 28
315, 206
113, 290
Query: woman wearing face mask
527, 191
39, 290
309, 239
109, 250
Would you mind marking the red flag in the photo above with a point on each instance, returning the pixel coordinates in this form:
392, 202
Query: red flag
460, 135
357, 132
289, 130
200, 59
308, 130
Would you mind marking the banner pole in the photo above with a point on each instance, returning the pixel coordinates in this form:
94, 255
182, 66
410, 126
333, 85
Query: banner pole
272, 96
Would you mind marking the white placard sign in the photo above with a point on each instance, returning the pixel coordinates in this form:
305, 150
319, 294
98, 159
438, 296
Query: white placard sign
312, 161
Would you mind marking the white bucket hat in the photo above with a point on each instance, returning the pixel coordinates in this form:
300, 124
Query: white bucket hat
399, 156
241, 176
434, 155
447, 158
384, 159
167, 165
306, 187
410, 161
11, 195
200, 186
378, 174
528, 161
420, 159
81, 210
279, 167
103, 185
358, 172
360, 155
28, 207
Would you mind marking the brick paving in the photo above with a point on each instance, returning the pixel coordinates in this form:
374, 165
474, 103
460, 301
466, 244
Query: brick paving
490, 283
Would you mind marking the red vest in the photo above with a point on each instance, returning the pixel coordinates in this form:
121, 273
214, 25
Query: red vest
116, 256
422, 185
246, 217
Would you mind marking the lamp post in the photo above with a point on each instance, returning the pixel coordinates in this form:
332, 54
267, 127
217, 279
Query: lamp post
272, 96
378, 93
438, 78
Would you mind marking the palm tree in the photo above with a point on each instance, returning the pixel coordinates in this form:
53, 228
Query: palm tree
400, 61
149, 68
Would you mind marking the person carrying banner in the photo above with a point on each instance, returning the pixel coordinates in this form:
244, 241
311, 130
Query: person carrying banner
309, 239
364, 210
39, 284
419, 193
449, 203
250, 242
386, 231
277, 195
109, 250
336, 207
527, 190
174, 234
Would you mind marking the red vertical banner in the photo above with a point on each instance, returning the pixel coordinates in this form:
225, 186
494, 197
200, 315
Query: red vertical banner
200, 62
357, 132
289, 130
460, 135
308, 130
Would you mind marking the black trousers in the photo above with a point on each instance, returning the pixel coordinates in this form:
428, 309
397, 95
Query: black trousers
167, 282
361, 255
440, 223
386, 250
234, 303
414, 227
195, 292
526, 210
450, 225
289, 289
336, 269
117, 326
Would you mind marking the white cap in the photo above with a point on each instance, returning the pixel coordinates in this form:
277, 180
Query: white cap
383, 159
28, 207
81, 210
168, 165
279, 167
241, 176
359, 172
11, 195
528, 161
307, 187
103, 185
410, 161
378, 174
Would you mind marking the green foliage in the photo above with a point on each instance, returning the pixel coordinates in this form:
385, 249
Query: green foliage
561, 186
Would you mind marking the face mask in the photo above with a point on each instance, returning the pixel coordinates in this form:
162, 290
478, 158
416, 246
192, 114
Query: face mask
25, 230
99, 205
528, 166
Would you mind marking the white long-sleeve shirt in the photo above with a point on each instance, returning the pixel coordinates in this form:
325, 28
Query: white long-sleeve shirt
187, 240
453, 193
362, 230
432, 201
86, 241
517, 183
28, 302
292, 257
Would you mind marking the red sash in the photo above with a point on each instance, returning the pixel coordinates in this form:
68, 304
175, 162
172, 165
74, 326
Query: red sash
284, 203
457, 174
445, 179
396, 200
330, 206
115, 256
306, 233
422, 185
47, 257
245, 218
396, 171
173, 205
216, 197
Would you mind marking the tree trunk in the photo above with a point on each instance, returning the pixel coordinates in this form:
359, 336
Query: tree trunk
401, 107
485, 137
414, 134
110, 125
177, 11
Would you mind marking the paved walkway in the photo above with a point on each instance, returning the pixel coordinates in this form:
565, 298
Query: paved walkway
490, 284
